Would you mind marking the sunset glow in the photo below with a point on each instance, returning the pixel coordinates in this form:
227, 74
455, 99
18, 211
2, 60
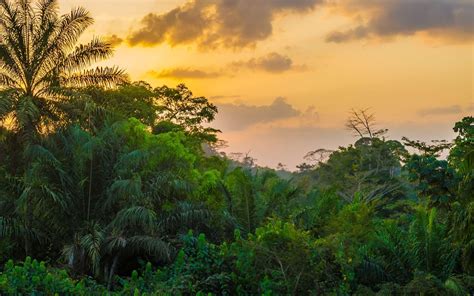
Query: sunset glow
236, 147
288, 72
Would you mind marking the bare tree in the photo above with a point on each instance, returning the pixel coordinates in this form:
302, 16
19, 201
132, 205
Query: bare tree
362, 123
318, 156
245, 160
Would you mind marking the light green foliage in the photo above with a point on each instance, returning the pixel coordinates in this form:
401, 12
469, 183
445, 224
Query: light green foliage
199, 268
461, 218
137, 178
371, 167
283, 254
33, 278
253, 196
209, 190
316, 209
461, 230
130, 196
278, 259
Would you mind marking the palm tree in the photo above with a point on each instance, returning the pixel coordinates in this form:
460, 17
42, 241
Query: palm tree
123, 216
39, 58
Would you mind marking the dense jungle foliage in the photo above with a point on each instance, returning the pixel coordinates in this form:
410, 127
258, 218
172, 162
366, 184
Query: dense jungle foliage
116, 188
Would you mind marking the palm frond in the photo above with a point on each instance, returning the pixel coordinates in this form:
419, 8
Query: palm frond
39, 58
86, 54
14, 39
115, 243
11, 227
27, 112
71, 27
101, 76
128, 189
10, 63
92, 242
7, 104
186, 215
137, 216
154, 246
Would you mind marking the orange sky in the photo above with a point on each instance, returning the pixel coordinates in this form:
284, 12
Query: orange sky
285, 73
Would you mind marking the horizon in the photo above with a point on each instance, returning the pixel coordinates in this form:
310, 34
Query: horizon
290, 71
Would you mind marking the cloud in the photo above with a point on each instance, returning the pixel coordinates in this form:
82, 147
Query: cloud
271, 63
442, 19
186, 73
448, 110
359, 32
114, 40
224, 97
233, 117
216, 23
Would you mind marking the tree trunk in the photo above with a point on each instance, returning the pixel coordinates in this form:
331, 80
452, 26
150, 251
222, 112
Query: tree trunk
28, 226
112, 272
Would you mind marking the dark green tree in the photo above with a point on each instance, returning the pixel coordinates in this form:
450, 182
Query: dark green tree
179, 106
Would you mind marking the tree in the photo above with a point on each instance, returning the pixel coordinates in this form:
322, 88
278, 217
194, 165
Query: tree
433, 179
127, 100
370, 167
362, 124
461, 157
39, 57
304, 167
179, 106
461, 216
426, 149
313, 159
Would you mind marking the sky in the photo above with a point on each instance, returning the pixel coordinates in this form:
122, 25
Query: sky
286, 73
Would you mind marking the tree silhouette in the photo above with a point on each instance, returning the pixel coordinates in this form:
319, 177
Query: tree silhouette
39, 58
362, 124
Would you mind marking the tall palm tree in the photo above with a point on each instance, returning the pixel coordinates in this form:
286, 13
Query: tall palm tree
39, 57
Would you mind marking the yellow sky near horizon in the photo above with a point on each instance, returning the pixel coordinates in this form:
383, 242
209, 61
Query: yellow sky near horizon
418, 83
